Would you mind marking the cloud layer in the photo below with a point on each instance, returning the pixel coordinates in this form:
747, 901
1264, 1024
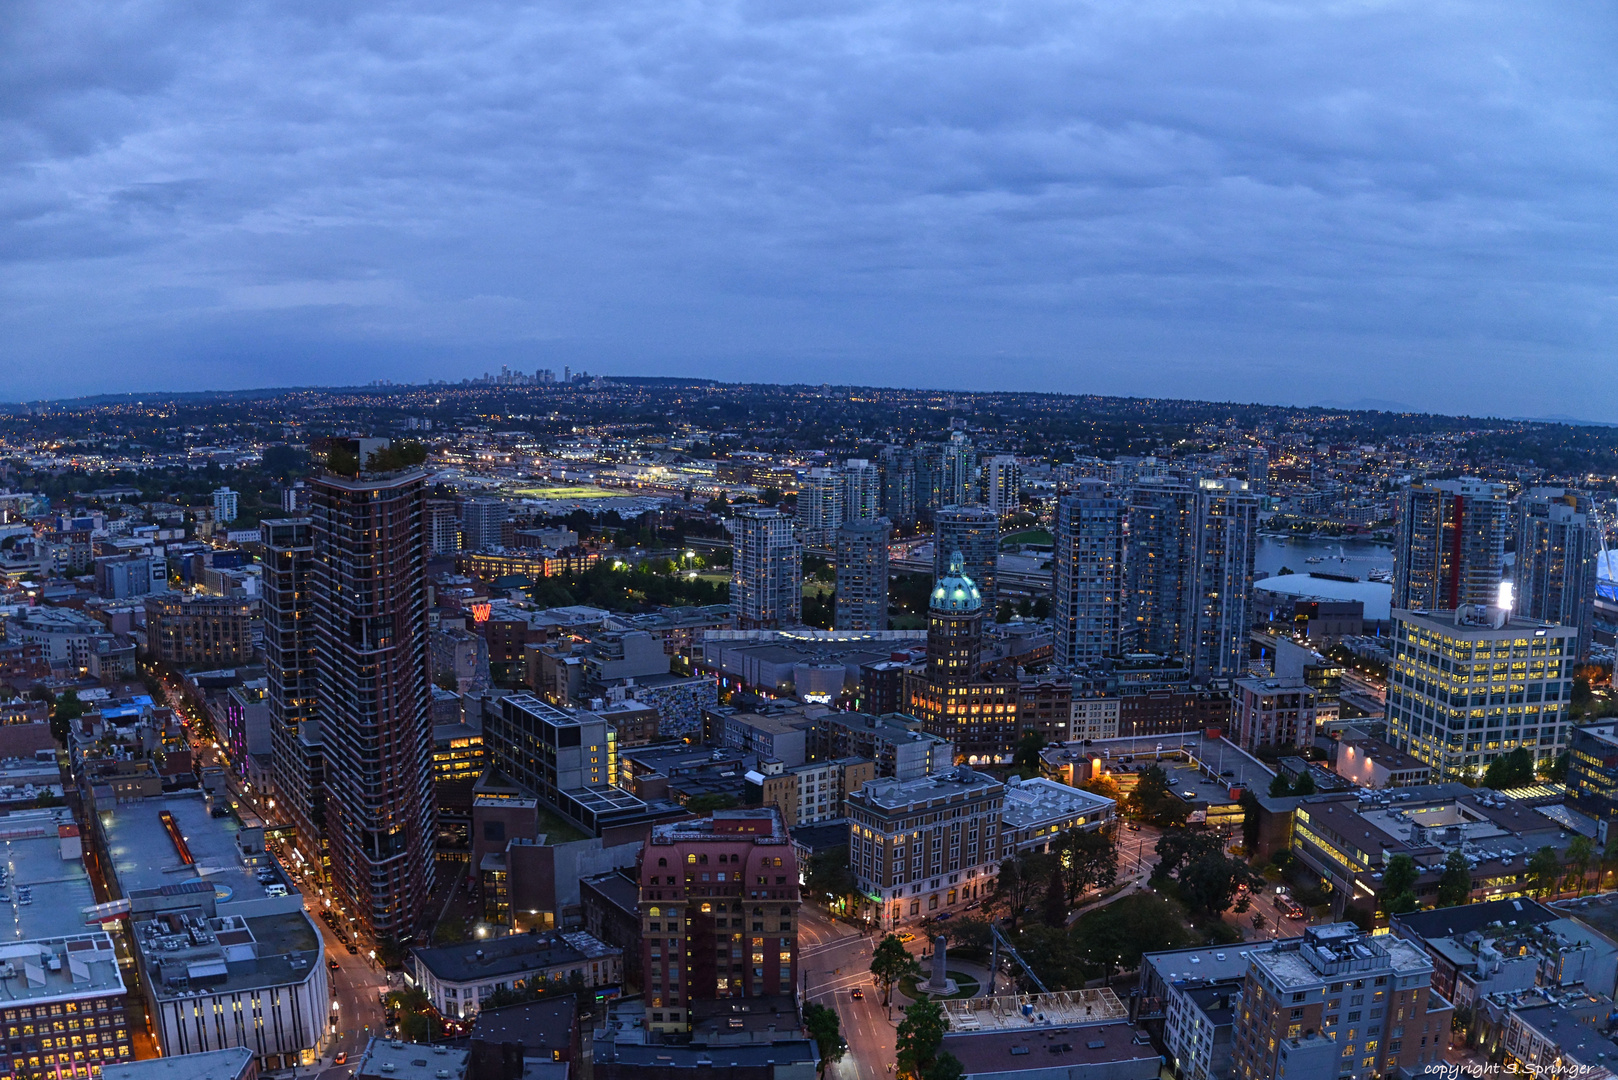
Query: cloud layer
1283, 201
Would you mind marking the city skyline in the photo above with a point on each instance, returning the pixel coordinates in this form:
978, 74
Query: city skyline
1147, 200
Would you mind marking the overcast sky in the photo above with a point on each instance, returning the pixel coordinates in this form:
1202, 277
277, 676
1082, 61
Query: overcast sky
1280, 201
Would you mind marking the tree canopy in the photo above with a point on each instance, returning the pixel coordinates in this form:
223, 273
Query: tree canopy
1509, 770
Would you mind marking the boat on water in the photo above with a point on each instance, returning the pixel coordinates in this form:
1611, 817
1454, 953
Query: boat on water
1381, 575
1314, 559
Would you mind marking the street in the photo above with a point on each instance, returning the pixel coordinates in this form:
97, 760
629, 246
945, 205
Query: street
834, 958
356, 988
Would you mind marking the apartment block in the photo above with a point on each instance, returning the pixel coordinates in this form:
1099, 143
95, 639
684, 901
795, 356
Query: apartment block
1369, 998
925, 846
808, 794
719, 911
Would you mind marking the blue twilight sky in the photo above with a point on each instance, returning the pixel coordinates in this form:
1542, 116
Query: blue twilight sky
1270, 200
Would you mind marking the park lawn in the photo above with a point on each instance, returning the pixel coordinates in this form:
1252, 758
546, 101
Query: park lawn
1028, 536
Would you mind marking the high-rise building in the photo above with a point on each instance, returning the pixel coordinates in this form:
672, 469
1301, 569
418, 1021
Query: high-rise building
1338, 1002
898, 502
481, 522
1558, 548
820, 507
224, 505
1277, 713
1002, 482
1449, 544
443, 527
1162, 539
862, 489
974, 533
950, 697
766, 577
862, 575
290, 669
374, 694
958, 472
1221, 589
1087, 606
719, 913
1468, 686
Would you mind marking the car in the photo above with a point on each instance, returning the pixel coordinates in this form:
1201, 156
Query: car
1188, 794
945, 915
1133, 826
1228, 772
340, 1058
907, 937
857, 994
333, 964
353, 949
1294, 912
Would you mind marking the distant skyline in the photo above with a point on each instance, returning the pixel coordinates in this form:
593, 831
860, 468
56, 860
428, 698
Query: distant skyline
1294, 203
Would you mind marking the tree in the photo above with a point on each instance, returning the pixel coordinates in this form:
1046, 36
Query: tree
1117, 935
946, 1067
891, 962
1399, 885
1055, 913
969, 932
68, 709
1026, 755
1250, 820
1579, 853
1055, 956
1514, 769
1544, 870
1212, 882
921, 1033
1021, 878
1305, 783
1280, 786
1087, 860
1177, 847
1103, 785
1455, 886
1153, 800
828, 876
1555, 769
823, 1027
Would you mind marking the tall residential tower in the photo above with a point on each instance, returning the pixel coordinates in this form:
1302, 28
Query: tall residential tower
374, 701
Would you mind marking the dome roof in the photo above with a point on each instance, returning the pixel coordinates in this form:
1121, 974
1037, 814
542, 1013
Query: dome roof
955, 593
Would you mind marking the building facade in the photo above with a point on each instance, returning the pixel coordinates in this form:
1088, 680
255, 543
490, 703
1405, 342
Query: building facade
374, 697
766, 583
1369, 998
1558, 547
1465, 688
922, 847
1272, 712
719, 911
820, 507
862, 574
1449, 544
291, 670
200, 631
1088, 599
1215, 630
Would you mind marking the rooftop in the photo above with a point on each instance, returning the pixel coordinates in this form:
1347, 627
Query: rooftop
411, 1061
144, 854
1053, 1051
45, 887
208, 1065
761, 824
1187, 966
1328, 952
1021, 1012
497, 959
1033, 802
185, 951
546, 1024
957, 783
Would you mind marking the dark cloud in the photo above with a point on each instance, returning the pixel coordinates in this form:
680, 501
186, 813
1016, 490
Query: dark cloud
1265, 200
